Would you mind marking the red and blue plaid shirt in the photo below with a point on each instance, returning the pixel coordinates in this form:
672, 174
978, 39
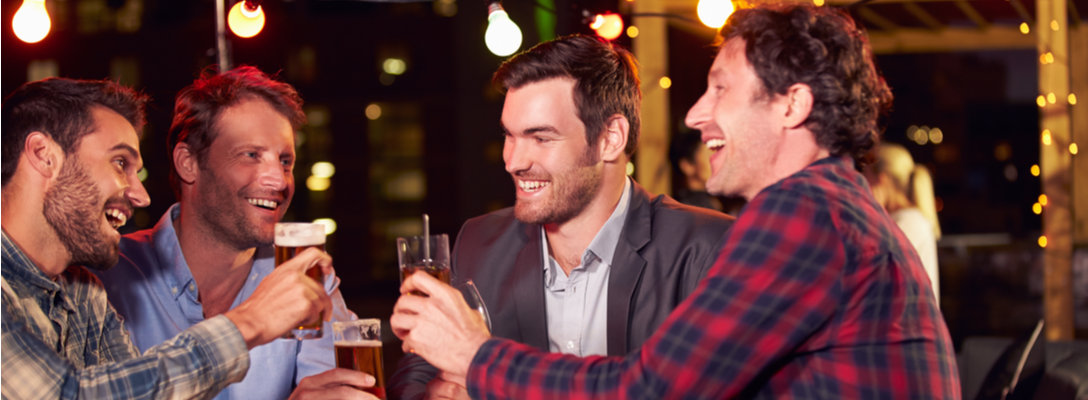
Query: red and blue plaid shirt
816, 294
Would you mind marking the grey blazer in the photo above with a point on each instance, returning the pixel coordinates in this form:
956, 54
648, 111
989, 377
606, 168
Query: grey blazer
664, 250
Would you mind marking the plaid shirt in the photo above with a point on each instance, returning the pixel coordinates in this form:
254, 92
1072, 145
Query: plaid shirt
62, 340
816, 294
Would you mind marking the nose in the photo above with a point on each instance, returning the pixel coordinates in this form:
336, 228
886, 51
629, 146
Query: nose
273, 175
136, 194
516, 160
699, 114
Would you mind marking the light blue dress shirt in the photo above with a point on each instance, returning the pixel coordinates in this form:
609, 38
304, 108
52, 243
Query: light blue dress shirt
153, 289
577, 305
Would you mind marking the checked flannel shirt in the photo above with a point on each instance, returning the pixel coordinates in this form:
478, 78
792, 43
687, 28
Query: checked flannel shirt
816, 295
62, 340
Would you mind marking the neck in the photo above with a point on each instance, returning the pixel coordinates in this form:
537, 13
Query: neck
24, 223
897, 201
799, 150
219, 268
568, 240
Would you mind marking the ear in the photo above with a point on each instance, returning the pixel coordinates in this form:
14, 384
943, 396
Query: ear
687, 167
613, 141
42, 154
798, 105
185, 163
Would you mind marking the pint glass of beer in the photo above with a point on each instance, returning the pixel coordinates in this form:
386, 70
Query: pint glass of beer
359, 347
293, 238
431, 256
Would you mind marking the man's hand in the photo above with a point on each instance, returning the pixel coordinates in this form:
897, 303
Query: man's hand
336, 383
447, 387
440, 328
286, 299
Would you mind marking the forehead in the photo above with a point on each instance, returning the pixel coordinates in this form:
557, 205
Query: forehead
731, 59
110, 130
539, 102
252, 119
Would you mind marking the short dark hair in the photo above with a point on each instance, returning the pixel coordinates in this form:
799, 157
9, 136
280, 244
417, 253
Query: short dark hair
823, 48
605, 76
199, 105
62, 109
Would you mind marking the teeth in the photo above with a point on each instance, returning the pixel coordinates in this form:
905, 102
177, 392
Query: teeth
715, 144
532, 186
269, 204
119, 218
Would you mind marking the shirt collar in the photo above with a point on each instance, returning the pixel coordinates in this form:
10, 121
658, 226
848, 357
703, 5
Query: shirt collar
168, 249
19, 267
604, 243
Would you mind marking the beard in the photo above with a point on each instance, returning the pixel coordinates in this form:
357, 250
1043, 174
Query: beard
571, 192
71, 209
226, 218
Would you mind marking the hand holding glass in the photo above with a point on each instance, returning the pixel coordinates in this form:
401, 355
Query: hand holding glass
431, 256
293, 238
359, 347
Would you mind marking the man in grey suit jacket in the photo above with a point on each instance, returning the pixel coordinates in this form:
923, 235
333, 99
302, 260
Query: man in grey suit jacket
587, 262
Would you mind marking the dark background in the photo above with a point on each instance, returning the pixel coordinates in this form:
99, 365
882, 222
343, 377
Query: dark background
436, 147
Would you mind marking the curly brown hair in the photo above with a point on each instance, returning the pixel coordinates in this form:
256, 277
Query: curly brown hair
823, 48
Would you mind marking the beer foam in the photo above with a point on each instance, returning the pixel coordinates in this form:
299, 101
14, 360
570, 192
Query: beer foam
358, 343
299, 241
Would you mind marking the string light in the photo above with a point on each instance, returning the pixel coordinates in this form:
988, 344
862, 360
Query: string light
1037, 208
330, 225
1042, 199
1046, 137
1024, 28
713, 13
503, 37
608, 26
632, 31
323, 169
1073, 148
818, 3
1054, 24
1041, 101
1042, 241
246, 19
1051, 98
1072, 99
1035, 170
31, 23
665, 82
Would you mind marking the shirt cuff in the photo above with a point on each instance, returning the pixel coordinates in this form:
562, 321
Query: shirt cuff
220, 342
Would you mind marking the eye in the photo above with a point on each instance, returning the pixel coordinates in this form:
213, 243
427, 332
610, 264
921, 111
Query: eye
120, 162
542, 140
250, 154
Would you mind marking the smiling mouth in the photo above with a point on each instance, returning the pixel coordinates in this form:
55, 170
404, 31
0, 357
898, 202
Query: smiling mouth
532, 186
715, 144
116, 218
265, 204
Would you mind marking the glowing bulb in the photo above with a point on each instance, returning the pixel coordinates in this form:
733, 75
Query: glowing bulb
1024, 28
1041, 101
1072, 99
1042, 241
1046, 137
713, 13
1037, 208
632, 31
330, 225
1035, 170
1049, 57
1042, 199
1051, 98
503, 37
31, 23
1073, 148
818, 3
394, 66
373, 111
608, 26
317, 184
142, 174
936, 135
1042, 59
1054, 24
323, 169
244, 22
665, 82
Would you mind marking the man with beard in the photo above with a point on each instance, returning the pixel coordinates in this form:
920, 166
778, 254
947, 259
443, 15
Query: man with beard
232, 144
587, 262
70, 159
816, 293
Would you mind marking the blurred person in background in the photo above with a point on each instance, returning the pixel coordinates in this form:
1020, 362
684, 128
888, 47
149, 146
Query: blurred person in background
905, 190
690, 161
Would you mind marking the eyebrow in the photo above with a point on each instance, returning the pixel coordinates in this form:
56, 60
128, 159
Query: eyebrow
124, 146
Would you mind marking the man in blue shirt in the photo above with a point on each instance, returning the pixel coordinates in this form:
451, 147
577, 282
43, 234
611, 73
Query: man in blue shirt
233, 150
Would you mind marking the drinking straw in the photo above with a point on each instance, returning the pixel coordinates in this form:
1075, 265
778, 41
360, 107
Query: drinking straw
427, 240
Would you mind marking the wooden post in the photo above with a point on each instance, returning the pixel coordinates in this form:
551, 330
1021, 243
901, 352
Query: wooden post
1052, 30
652, 169
1078, 83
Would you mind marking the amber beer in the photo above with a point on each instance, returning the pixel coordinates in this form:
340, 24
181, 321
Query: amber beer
292, 239
363, 356
440, 272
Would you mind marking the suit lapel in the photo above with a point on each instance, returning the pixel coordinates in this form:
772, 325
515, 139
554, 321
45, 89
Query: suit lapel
529, 291
626, 269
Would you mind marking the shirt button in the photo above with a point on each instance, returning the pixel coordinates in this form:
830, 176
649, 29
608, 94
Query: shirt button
192, 287
174, 290
570, 345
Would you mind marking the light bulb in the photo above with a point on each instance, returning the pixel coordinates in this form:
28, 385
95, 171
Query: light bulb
713, 13
608, 26
244, 22
503, 37
31, 23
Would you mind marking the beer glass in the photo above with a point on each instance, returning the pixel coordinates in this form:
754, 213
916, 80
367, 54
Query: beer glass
472, 298
431, 256
293, 238
359, 347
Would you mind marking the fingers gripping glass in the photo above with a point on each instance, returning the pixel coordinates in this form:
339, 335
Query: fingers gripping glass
293, 238
359, 347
